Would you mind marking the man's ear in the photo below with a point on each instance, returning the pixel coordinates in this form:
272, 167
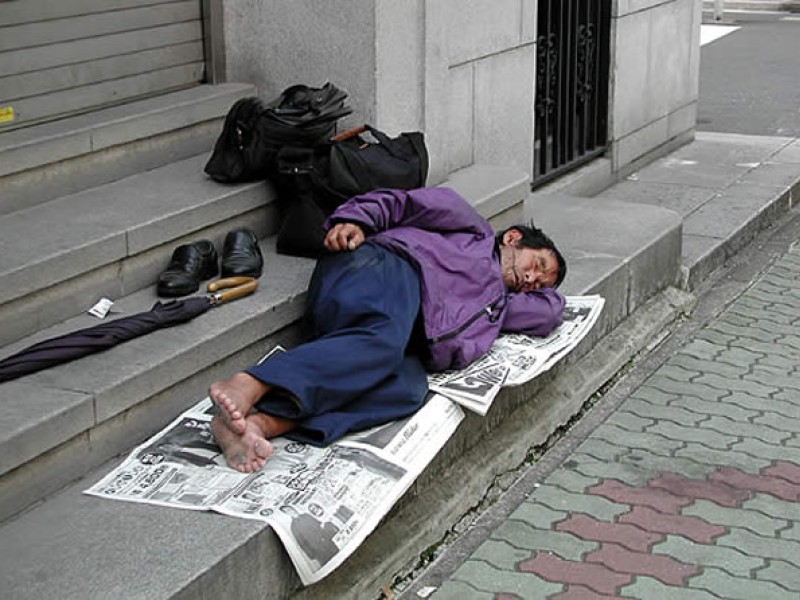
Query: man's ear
511, 235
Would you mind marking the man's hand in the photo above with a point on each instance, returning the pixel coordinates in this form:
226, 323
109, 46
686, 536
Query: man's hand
344, 236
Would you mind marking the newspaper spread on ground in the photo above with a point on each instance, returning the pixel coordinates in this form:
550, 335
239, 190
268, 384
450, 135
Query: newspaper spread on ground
323, 502
515, 359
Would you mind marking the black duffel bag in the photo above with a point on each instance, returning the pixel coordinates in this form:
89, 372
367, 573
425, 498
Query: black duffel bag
312, 182
254, 132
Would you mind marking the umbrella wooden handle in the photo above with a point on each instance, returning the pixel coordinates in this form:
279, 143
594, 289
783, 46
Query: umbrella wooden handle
228, 282
248, 286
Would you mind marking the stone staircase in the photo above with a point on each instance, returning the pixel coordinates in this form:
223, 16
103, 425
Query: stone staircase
92, 207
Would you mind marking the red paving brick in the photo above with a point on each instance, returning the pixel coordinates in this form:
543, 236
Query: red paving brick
595, 576
664, 568
589, 528
717, 492
694, 528
579, 592
657, 498
785, 470
775, 486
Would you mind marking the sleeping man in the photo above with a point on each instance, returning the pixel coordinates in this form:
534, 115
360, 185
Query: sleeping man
413, 280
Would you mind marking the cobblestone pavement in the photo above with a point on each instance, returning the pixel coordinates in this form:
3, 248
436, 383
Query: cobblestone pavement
690, 489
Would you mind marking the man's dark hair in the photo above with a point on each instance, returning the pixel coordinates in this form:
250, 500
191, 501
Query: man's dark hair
533, 237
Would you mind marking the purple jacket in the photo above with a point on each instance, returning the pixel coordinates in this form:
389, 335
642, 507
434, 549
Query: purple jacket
465, 304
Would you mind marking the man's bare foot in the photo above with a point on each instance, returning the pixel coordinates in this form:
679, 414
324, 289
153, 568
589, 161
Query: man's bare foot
245, 453
236, 397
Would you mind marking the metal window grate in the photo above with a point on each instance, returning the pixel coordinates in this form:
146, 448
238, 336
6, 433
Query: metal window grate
572, 72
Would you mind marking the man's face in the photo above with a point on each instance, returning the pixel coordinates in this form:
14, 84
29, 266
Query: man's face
526, 269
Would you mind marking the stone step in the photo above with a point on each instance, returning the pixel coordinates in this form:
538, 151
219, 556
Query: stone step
89, 410
46, 548
60, 257
61, 422
63, 157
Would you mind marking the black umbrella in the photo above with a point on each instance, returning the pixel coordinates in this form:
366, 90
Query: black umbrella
87, 341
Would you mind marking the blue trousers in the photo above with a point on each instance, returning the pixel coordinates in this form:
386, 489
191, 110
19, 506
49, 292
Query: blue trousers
354, 372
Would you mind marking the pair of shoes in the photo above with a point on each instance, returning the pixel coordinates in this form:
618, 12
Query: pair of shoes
192, 263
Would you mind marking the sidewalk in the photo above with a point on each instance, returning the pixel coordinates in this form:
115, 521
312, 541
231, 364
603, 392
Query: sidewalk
690, 486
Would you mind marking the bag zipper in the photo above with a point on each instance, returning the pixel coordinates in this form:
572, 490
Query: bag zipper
488, 310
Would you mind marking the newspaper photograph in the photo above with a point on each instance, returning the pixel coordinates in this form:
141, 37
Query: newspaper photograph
321, 502
515, 359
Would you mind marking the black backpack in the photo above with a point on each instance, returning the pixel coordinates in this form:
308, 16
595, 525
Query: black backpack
254, 132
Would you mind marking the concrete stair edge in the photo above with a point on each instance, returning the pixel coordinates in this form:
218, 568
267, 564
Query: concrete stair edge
114, 239
44, 162
274, 578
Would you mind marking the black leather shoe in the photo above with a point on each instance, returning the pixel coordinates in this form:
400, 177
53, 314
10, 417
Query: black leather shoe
190, 264
241, 256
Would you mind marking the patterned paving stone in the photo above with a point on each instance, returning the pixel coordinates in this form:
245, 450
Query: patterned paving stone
676, 372
593, 576
653, 395
692, 528
716, 337
700, 435
744, 332
685, 388
773, 507
501, 555
632, 474
780, 422
600, 449
778, 404
740, 357
579, 592
658, 499
764, 347
785, 470
737, 428
754, 520
731, 560
591, 529
787, 382
792, 533
538, 516
647, 587
676, 414
621, 560
714, 407
720, 493
483, 577
521, 536
620, 437
742, 460
781, 572
777, 361
768, 451
775, 486
737, 385
558, 499
757, 545
702, 349
570, 480
717, 366
653, 464
629, 421
458, 590
738, 588
789, 399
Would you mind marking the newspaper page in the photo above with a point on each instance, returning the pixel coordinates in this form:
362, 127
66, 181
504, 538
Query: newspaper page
321, 502
515, 359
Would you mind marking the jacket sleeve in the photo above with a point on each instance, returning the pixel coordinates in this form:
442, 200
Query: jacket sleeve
534, 313
433, 209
